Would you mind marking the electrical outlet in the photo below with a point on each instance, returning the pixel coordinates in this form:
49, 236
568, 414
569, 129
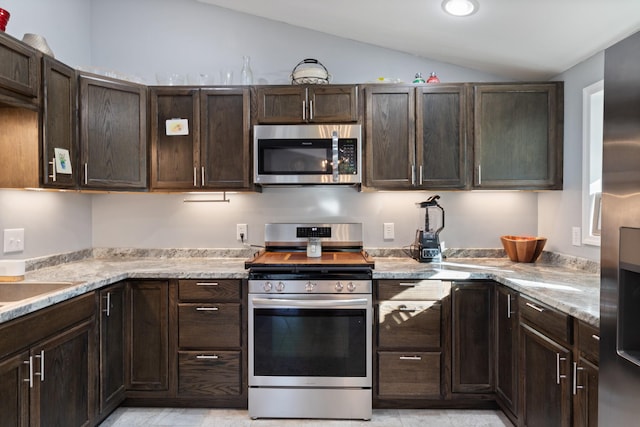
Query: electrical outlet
13, 240
241, 233
389, 232
576, 236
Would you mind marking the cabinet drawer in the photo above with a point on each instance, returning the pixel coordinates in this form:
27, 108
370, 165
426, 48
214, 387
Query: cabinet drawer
411, 289
208, 325
205, 374
408, 375
550, 321
409, 324
589, 341
205, 290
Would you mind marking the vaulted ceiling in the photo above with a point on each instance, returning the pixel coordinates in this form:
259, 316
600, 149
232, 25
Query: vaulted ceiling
518, 39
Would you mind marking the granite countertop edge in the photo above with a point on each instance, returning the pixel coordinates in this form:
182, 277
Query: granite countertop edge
572, 291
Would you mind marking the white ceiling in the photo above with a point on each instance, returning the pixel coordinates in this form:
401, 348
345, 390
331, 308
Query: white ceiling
518, 39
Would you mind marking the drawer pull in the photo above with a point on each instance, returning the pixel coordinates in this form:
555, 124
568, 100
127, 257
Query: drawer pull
410, 357
206, 308
207, 284
406, 309
535, 307
409, 284
206, 356
595, 337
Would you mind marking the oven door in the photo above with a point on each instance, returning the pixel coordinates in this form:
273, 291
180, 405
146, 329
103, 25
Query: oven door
310, 340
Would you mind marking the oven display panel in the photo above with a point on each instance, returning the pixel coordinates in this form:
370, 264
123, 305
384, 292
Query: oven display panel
296, 342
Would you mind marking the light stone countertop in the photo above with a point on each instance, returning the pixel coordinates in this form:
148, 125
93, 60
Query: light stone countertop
572, 291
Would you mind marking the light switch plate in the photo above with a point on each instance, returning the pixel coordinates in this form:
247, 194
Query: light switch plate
576, 236
13, 240
389, 232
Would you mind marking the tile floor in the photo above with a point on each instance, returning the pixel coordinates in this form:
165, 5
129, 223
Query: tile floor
179, 417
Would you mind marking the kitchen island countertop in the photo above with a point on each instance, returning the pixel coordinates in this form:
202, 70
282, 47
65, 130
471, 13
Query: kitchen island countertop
572, 291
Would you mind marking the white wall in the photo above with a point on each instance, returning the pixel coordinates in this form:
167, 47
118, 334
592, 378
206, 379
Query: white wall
65, 25
53, 222
558, 212
472, 219
141, 37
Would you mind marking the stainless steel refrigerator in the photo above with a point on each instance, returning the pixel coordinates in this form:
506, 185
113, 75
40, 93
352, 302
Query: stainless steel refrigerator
619, 377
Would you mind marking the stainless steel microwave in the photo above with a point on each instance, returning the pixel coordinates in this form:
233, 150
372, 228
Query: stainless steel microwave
307, 154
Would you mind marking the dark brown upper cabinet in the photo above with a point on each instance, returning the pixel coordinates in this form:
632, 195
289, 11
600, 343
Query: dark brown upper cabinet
19, 73
416, 136
113, 134
306, 104
214, 154
59, 124
518, 136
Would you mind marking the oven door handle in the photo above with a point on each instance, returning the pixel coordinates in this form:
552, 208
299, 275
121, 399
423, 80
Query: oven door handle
270, 302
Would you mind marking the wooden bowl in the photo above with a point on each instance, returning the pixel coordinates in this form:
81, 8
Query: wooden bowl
523, 248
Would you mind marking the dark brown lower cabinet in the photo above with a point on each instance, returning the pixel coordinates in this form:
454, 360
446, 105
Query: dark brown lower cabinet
585, 374
207, 374
111, 306
506, 350
585, 389
47, 366
409, 375
212, 337
545, 389
14, 390
148, 335
65, 388
472, 343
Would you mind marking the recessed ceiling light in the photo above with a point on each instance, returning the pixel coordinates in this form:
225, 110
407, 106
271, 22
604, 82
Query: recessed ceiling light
460, 7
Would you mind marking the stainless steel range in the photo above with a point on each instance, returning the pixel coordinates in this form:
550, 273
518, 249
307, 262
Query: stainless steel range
310, 324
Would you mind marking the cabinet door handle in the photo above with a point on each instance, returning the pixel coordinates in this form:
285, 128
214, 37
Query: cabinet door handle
310, 109
508, 306
107, 311
206, 308
535, 307
406, 309
558, 375
86, 174
410, 358
420, 176
413, 174
41, 373
479, 174
595, 337
206, 356
53, 169
207, 284
304, 110
202, 179
195, 176
576, 387
30, 379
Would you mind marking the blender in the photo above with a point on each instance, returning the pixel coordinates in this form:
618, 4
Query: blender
427, 240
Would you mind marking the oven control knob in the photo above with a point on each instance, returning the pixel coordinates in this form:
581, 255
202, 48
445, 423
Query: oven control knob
339, 286
309, 286
351, 287
267, 286
280, 287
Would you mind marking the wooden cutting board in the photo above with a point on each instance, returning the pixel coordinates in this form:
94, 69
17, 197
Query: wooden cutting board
329, 259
